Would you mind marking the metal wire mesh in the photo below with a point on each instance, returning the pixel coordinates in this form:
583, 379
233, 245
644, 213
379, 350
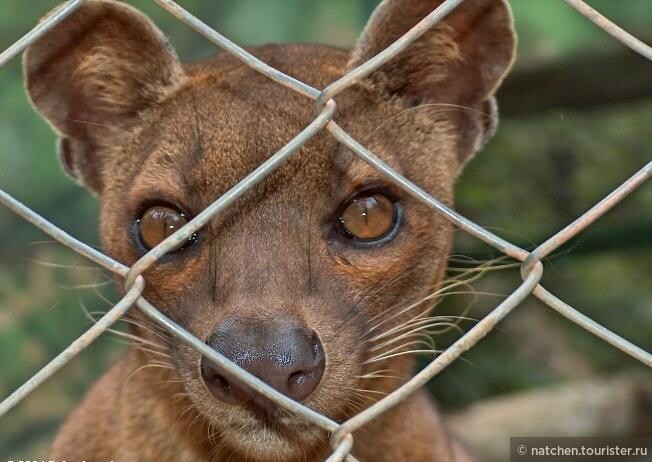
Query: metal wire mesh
341, 433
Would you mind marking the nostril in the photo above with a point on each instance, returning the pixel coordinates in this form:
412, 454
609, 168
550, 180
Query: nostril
217, 384
297, 379
222, 382
211, 377
300, 384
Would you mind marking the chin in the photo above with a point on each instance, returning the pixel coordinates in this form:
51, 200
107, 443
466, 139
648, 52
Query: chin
268, 435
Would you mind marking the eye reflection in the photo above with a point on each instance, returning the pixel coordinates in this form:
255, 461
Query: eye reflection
158, 223
368, 217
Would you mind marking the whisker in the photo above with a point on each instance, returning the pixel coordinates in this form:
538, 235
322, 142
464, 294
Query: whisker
93, 285
374, 290
60, 265
420, 319
441, 106
425, 341
404, 353
366, 391
128, 336
434, 296
102, 297
97, 124
128, 320
422, 329
143, 367
448, 285
382, 373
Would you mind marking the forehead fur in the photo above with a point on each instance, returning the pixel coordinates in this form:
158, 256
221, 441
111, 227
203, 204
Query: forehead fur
227, 119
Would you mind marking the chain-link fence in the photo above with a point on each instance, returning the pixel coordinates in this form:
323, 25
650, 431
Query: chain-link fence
324, 101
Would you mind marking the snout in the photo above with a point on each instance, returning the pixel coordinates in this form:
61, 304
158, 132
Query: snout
286, 356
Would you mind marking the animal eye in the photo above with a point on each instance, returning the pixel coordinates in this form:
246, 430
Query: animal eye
368, 217
159, 222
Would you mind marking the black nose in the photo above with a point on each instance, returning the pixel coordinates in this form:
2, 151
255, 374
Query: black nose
287, 357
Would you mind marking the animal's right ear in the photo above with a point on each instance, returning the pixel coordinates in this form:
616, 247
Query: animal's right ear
92, 74
457, 63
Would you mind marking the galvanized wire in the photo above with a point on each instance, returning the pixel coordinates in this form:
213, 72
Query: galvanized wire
613, 29
357, 74
40, 30
341, 433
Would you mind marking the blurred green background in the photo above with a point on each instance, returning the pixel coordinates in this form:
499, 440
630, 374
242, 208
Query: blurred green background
576, 118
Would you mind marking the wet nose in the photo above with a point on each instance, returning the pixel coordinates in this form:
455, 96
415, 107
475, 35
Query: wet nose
288, 357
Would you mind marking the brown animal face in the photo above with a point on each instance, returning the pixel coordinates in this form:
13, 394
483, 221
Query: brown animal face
313, 279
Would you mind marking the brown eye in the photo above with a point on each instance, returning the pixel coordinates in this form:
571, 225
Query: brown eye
369, 218
159, 222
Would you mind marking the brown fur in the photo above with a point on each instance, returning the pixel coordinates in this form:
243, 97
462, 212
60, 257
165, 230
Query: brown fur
138, 128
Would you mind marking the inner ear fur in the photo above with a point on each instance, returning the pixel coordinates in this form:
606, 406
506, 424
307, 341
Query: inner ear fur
92, 74
460, 61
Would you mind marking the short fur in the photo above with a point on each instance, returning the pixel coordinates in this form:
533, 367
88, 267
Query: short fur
137, 127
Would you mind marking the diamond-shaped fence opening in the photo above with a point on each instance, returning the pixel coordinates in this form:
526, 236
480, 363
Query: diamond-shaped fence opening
324, 100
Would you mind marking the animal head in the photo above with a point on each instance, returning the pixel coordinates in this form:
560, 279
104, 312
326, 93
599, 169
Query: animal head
315, 279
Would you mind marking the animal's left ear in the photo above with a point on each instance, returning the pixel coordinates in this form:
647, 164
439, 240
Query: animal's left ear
92, 75
460, 61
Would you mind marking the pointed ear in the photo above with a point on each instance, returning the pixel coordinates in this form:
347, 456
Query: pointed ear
459, 61
92, 74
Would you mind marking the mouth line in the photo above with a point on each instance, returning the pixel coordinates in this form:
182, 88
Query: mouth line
267, 415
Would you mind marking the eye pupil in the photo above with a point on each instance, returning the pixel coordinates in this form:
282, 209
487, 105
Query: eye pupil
158, 223
368, 218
